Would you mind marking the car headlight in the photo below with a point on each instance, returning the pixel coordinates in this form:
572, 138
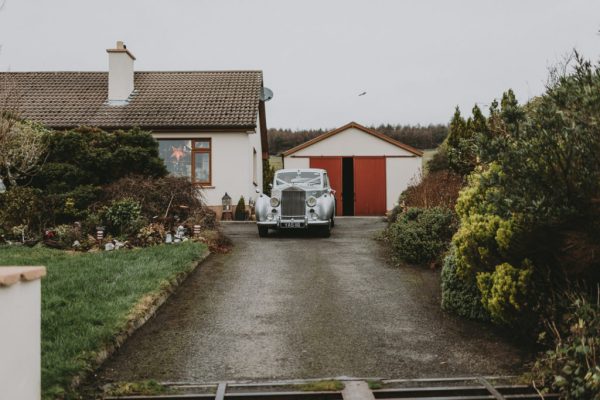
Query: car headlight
274, 201
311, 201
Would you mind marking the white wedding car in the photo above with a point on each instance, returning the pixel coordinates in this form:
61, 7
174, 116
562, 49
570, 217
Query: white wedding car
300, 199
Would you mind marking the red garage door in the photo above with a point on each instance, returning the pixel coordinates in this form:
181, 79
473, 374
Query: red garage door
369, 186
333, 166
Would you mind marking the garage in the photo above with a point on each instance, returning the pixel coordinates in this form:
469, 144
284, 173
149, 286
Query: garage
367, 169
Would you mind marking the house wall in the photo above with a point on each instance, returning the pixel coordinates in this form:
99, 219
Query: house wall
20, 317
400, 171
231, 164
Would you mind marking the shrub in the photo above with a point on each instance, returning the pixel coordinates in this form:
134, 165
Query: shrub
122, 216
268, 176
436, 189
572, 367
421, 235
460, 294
240, 210
90, 156
169, 199
22, 207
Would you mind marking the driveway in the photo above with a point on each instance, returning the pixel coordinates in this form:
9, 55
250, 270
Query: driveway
295, 306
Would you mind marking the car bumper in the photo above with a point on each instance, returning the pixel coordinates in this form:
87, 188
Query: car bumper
293, 223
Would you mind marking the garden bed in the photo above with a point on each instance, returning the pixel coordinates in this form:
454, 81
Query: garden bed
91, 302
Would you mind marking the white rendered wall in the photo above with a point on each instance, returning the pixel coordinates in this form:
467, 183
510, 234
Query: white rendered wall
231, 158
400, 172
255, 143
20, 360
352, 142
290, 162
120, 76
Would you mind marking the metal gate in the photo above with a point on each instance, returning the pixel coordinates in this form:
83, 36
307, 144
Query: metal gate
471, 388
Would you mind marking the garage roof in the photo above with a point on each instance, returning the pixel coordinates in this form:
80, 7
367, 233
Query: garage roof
359, 127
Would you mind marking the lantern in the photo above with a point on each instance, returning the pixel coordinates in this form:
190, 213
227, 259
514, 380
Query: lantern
197, 229
226, 202
100, 233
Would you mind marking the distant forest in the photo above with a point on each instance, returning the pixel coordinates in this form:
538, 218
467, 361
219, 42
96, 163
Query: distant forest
421, 137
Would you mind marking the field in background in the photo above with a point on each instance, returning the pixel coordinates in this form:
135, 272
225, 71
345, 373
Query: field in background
428, 155
276, 162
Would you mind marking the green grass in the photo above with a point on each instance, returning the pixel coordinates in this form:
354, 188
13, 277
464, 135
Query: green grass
322, 386
88, 297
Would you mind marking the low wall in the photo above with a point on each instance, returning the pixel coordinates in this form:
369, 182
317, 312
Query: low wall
20, 331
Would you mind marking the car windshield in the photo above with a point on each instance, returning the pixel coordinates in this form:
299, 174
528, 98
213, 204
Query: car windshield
298, 178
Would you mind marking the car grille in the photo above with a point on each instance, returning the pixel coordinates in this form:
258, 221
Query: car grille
292, 203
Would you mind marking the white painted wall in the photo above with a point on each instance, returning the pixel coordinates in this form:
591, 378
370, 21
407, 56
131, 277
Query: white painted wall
20, 319
231, 164
400, 172
352, 142
120, 75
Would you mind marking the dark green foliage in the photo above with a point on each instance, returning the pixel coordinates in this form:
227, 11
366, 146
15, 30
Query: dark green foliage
240, 210
122, 216
439, 161
268, 175
422, 137
22, 212
421, 235
528, 217
88, 156
460, 147
460, 294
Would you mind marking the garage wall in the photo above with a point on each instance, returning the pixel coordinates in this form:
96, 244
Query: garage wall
291, 162
400, 173
349, 143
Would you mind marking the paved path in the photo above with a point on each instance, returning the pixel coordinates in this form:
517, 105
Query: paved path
302, 307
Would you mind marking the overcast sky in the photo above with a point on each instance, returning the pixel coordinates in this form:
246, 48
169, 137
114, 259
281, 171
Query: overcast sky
415, 59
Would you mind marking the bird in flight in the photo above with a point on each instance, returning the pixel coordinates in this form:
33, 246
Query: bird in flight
362, 94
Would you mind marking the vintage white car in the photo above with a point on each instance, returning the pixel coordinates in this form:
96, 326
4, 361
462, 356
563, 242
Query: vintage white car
300, 199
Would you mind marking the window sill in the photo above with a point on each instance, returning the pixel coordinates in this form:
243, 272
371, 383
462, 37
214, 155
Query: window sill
207, 187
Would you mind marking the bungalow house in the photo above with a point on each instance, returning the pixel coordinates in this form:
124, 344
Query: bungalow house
210, 125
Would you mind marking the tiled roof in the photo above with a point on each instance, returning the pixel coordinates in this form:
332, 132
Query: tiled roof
167, 100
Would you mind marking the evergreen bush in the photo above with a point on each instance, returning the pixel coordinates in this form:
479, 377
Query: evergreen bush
240, 210
460, 294
420, 235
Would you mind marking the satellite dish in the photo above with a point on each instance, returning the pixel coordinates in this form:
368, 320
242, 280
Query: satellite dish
266, 94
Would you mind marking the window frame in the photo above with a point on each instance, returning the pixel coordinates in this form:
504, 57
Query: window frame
196, 150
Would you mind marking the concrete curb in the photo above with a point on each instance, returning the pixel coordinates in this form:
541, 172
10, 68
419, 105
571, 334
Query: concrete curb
140, 313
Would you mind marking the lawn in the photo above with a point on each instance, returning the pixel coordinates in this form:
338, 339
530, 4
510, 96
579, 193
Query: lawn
88, 297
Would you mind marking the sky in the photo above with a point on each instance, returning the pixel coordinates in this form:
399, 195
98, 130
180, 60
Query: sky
416, 60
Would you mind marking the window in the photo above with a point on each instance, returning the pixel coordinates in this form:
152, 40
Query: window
189, 158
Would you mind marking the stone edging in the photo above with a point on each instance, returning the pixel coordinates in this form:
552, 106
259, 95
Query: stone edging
141, 312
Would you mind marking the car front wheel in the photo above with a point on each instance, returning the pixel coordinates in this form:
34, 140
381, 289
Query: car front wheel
263, 231
326, 230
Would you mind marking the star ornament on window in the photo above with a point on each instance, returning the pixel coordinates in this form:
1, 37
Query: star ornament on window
177, 153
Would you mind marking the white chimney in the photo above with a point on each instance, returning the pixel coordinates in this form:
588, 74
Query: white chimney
120, 74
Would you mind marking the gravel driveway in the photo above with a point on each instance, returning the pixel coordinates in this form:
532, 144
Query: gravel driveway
301, 307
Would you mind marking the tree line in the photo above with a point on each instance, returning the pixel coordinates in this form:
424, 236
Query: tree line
421, 137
